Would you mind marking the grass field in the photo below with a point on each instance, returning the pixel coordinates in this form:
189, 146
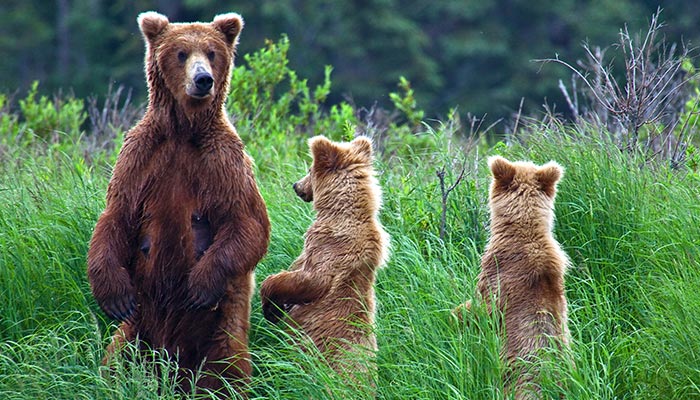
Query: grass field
631, 229
632, 233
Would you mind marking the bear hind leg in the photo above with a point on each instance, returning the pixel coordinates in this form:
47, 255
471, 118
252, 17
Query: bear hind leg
125, 333
228, 360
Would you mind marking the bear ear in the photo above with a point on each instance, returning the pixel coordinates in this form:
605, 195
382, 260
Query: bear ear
152, 24
548, 176
324, 152
230, 25
501, 169
363, 146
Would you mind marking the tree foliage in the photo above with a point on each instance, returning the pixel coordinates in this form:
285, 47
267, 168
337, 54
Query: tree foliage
472, 54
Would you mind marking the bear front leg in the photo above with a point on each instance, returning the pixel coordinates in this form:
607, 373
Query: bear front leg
237, 247
288, 288
110, 252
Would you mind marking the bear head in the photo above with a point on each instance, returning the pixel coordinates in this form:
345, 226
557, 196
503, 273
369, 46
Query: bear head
189, 63
522, 191
340, 173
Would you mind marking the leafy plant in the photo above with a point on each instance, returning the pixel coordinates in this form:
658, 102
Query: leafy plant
266, 94
8, 121
405, 102
47, 119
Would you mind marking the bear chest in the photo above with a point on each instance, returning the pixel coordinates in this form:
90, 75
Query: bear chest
181, 176
180, 198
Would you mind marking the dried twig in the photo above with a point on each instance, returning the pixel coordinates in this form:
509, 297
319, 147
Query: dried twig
517, 118
445, 191
113, 116
641, 111
572, 106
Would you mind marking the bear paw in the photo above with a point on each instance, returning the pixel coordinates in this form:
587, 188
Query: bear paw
119, 306
461, 311
205, 294
272, 311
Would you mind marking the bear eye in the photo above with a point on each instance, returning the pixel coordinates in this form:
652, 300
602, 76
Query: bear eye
181, 56
211, 55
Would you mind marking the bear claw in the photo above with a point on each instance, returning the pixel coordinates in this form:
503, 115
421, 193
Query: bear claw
120, 310
272, 312
204, 299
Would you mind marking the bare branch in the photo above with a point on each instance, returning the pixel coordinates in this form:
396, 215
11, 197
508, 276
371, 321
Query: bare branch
445, 192
641, 109
574, 110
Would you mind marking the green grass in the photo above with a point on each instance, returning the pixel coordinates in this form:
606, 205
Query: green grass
632, 232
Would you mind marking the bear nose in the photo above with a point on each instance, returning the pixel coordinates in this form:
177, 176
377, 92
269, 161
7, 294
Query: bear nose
294, 186
203, 81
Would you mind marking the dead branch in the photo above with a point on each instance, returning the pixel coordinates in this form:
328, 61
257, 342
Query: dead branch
445, 191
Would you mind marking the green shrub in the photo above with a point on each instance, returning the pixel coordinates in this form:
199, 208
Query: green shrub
406, 103
9, 125
270, 103
47, 120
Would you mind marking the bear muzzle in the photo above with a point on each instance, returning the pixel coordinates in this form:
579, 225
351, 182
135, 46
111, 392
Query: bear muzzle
302, 190
201, 80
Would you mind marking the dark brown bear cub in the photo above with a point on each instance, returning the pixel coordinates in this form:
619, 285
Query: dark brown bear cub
173, 254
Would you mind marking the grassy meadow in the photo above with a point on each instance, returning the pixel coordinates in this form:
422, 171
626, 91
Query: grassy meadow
631, 228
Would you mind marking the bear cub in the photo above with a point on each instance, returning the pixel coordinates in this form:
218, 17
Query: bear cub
328, 292
523, 267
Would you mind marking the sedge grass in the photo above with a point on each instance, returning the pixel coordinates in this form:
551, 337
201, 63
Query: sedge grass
631, 232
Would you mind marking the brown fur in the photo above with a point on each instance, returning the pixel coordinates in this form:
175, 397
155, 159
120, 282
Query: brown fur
173, 253
329, 290
523, 266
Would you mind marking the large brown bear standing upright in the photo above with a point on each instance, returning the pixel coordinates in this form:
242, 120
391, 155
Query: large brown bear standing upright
329, 290
523, 267
173, 254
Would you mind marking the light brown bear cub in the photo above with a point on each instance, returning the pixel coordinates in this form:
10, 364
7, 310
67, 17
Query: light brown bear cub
328, 292
523, 266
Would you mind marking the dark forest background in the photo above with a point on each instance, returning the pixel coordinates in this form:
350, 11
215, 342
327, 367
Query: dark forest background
476, 55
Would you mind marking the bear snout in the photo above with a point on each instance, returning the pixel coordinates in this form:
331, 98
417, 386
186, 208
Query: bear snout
203, 81
302, 192
201, 78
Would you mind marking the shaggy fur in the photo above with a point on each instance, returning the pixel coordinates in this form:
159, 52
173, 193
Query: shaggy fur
523, 266
328, 292
172, 255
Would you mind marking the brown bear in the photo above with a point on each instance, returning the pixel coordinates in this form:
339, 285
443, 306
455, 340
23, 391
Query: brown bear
328, 292
172, 256
523, 266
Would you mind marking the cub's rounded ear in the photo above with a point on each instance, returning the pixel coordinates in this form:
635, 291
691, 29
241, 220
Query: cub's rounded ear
230, 25
501, 169
363, 146
152, 24
324, 152
548, 176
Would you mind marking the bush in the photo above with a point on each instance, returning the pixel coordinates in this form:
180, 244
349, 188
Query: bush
268, 99
48, 120
642, 110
